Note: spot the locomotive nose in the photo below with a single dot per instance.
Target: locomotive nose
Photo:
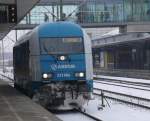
(63, 67)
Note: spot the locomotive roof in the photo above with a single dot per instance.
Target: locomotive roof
(54, 29)
(60, 29)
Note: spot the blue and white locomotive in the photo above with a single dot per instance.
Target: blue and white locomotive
(53, 64)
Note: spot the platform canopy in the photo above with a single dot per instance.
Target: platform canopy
(129, 15)
(13, 11)
(50, 2)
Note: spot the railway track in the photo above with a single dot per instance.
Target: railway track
(133, 99)
(90, 116)
(125, 98)
(7, 77)
(82, 116)
(81, 112)
(140, 84)
(132, 86)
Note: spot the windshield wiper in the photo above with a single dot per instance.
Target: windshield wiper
(45, 49)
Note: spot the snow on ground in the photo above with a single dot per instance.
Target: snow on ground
(124, 90)
(124, 79)
(117, 111)
(8, 71)
(123, 85)
(73, 116)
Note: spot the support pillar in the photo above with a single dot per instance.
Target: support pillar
(122, 29)
(3, 55)
(16, 33)
(53, 11)
(61, 10)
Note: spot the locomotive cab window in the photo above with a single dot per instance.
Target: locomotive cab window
(61, 45)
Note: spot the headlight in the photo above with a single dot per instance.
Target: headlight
(46, 76)
(80, 74)
(62, 58)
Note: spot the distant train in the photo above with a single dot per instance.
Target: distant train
(53, 64)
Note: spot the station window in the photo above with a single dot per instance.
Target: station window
(3, 14)
(8, 13)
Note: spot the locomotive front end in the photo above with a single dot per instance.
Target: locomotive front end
(63, 67)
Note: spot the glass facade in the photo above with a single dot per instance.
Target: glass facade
(104, 11)
(101, 11)
(41, 14)
(94, 11)
(137, 10)
(3, 14)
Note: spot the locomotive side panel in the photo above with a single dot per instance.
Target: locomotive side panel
(88, 60)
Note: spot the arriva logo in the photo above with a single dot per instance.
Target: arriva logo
(55, 67)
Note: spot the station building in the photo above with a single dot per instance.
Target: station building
(128, 52)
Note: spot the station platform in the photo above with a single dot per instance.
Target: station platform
(15, 106)
(128, 73)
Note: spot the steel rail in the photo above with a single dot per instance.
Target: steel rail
(130, 86)
(88, 115)
(82, 112)
(124, 95)
(123, 82)
(7, 77)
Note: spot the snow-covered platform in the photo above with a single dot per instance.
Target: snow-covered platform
(124, 79)
(14, 106)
